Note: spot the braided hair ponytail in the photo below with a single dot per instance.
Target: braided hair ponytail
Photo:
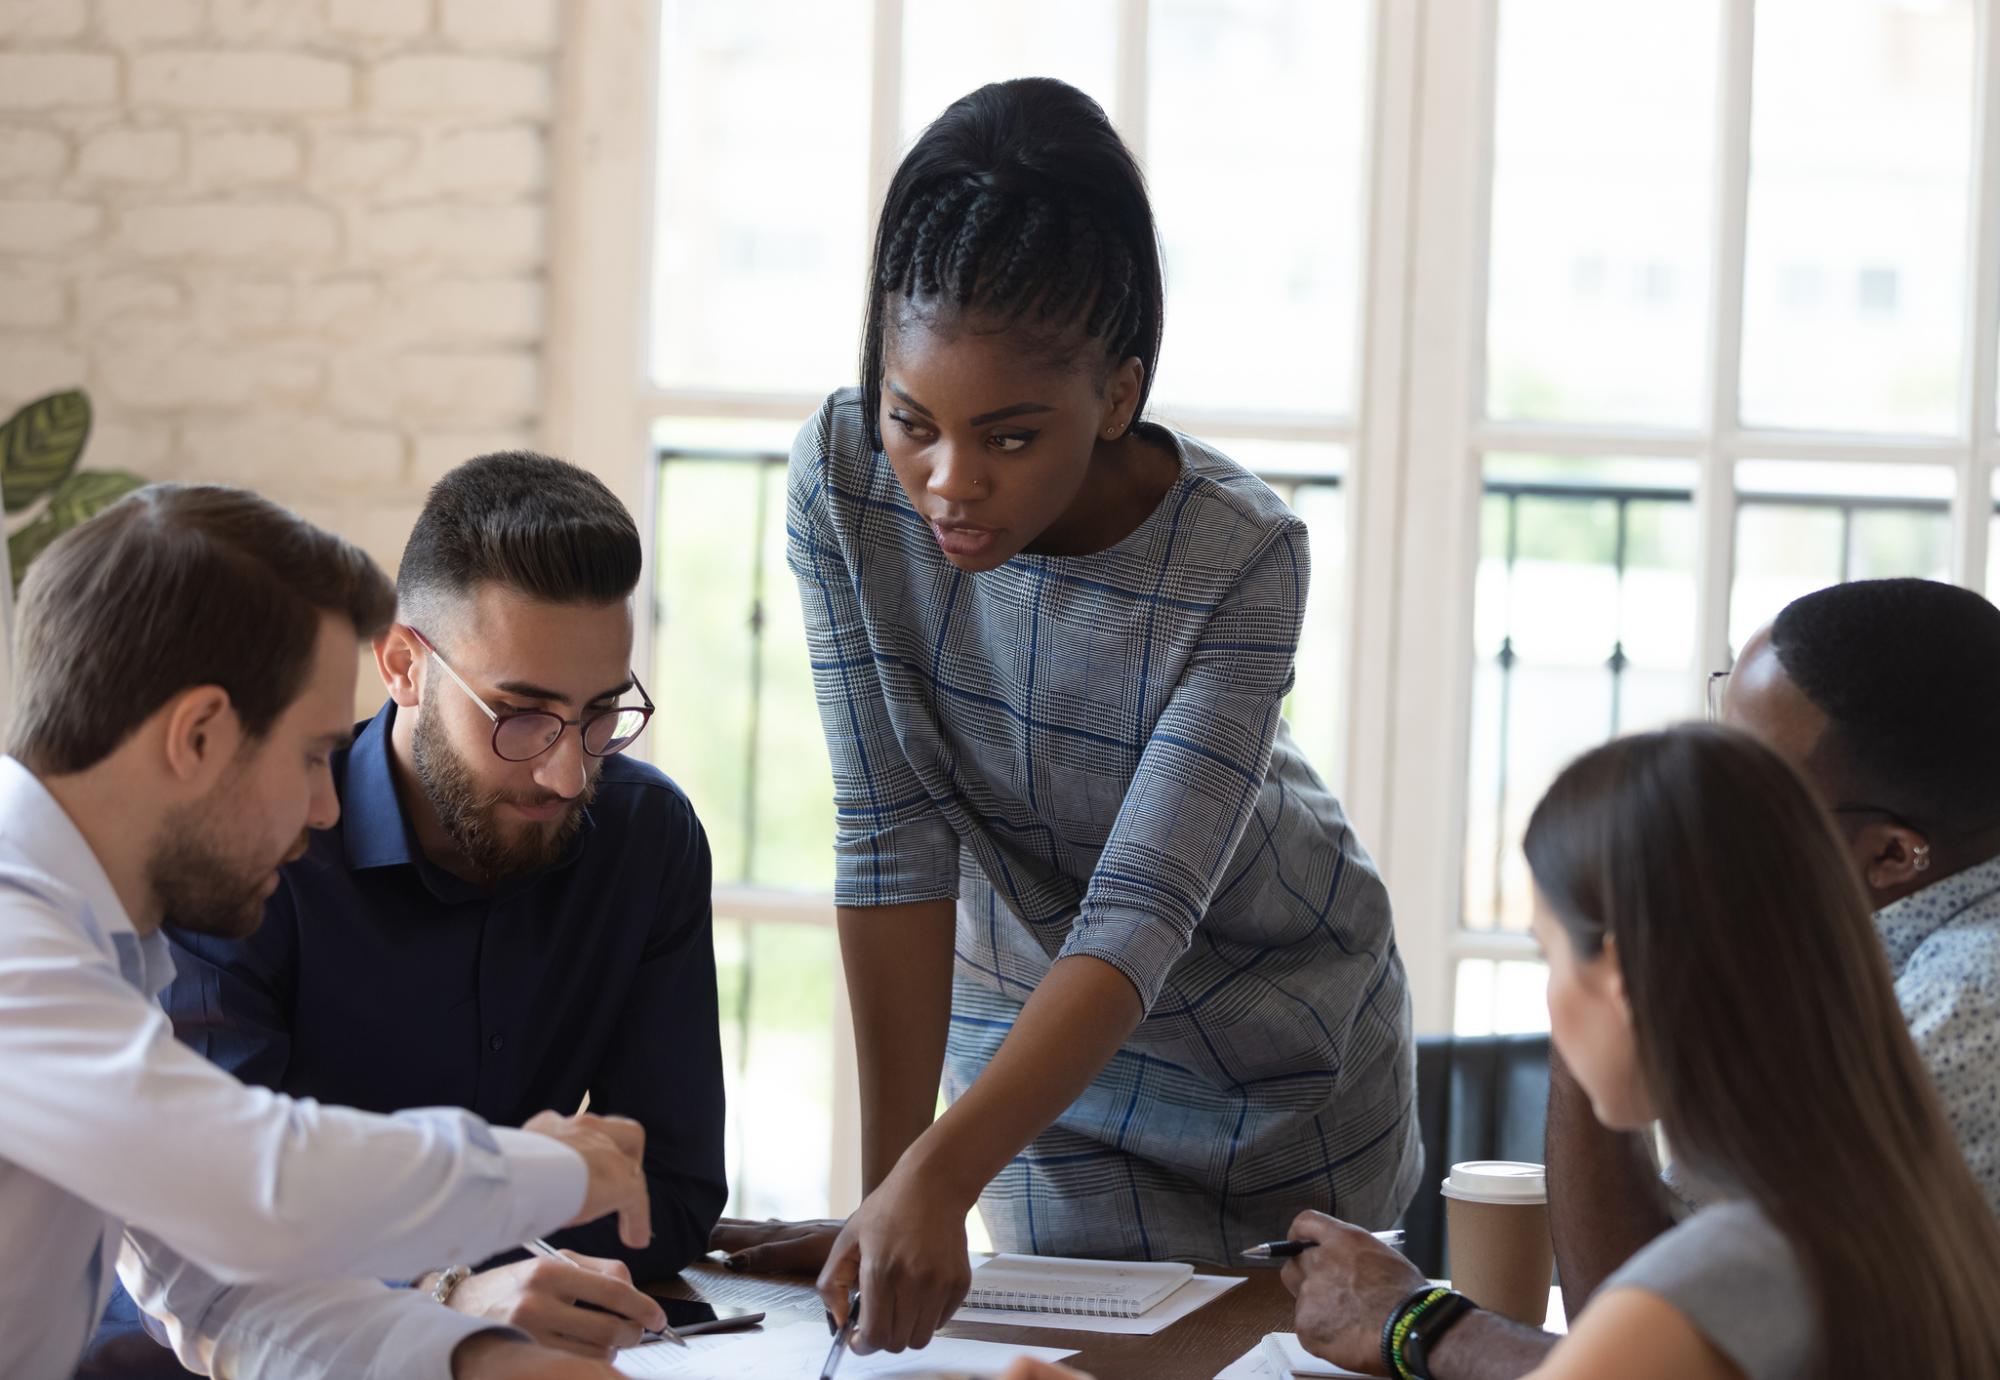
(1020, 204)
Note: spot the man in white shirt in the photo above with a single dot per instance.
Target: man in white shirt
(185, 665)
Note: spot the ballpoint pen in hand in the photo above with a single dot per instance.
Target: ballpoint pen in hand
(1285, 1250)
(547, 1252)
(843, 1334)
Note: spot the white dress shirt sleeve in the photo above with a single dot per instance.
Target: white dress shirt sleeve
(249, 1184)
(347, 1329)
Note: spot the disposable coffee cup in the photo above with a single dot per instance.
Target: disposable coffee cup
(1496, 1215)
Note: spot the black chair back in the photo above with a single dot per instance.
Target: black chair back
(1483, 1098)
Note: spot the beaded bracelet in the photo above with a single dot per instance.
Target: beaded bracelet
(1427, 1324)
(1398, 1327)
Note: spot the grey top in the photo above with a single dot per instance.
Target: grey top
(1738, 1282)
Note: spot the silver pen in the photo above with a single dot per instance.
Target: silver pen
(547, 1252)
(1285, 1250)
(843, 1334)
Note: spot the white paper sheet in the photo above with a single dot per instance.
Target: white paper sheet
(1285, 1357)
(1201, 1290)
(1260, 1362)
(782, 1353)
(1249, 1366)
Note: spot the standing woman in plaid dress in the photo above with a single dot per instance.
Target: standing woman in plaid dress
(1084, 873)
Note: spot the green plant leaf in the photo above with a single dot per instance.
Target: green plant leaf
(40, 445)
(80, 497)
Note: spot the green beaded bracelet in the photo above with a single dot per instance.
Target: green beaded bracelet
(1399, 1324)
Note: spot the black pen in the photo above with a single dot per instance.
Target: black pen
(1285, 1250)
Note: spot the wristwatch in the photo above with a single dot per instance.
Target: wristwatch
(1427, 1327)
(448, 1281)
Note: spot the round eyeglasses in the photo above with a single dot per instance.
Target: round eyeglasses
(527, 734)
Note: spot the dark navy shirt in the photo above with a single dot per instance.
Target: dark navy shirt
(378, 980)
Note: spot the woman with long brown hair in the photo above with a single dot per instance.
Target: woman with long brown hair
(1712, 967)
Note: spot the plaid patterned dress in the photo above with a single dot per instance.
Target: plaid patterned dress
(1087, 753)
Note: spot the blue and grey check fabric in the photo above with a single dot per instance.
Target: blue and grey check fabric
(1087, 753)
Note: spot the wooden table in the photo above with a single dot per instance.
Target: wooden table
(1194, 1348)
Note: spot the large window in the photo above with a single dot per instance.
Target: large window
(1743, 279)
(1582, 333)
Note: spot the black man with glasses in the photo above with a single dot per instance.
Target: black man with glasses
(513, 912)
(1885, 695)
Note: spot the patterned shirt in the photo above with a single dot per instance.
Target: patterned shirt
(1087, 754)
(1944, 948)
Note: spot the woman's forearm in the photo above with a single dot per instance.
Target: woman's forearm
(1078, 1017)
(898, 965)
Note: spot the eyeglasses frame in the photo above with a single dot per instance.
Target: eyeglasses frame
(581, 725)
(1718, 685)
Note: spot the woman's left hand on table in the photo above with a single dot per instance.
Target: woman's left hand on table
(774, 1247)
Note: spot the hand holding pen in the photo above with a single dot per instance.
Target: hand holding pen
(664, 1333)
(1285, 1250)
(1348, 1282)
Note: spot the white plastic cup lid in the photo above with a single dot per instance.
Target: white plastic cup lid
(1497, 1181)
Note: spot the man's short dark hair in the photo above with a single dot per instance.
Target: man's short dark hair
(175, 586)
(539, 526)
(1908, 672)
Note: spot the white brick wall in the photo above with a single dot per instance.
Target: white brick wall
(226, 158)
(131, 155)
(129, 22)
(279, 82)
(42, 18)
(464, 85)
(57, 81)
(29, 155)
(294, 244)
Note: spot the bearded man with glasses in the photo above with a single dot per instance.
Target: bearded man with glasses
(511, 913)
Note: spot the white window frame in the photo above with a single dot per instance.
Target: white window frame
(1449, 437)
(1416, 442)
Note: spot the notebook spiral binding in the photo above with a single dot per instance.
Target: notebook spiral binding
(1012, 1301)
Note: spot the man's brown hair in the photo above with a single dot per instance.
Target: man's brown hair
(175, 586)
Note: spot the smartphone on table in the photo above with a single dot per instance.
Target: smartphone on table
(692, 1317)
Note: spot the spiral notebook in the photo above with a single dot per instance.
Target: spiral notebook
(1056, 1284)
